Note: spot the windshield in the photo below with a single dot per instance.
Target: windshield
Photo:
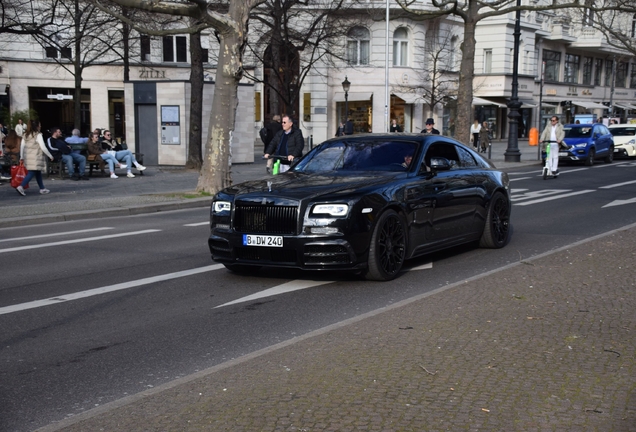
(623, 131)
(579, 132)
(372, 155)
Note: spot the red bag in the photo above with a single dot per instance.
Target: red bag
(18, 173)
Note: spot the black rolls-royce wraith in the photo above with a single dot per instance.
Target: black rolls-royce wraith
(365, 203)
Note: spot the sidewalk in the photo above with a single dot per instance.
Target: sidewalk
(104, 197)
(546, 344)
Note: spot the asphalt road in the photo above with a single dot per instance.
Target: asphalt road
(163, 310)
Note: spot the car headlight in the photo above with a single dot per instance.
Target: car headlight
(330, 209)
(632, 142)
(221, 206)
(580, 145)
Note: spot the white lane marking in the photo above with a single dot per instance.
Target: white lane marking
(77, 241)
(573, 170)
(620, 202)
(618, 185)
(290, 286)
(107, 289)
(56, 234)
(197, 224)
(520, 178)
(423, 267)
(537, 194)
(554, 197)
(295, 285)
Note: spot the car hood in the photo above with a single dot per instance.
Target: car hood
(621, 140)
(574, 141)
(299, 186)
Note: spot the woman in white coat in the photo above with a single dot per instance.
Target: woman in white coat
(32, 153)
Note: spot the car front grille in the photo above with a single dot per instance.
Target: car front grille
(326, 254)
(276, 255)
(266, 219)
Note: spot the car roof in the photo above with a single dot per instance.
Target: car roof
(624, 125)
(581, 125)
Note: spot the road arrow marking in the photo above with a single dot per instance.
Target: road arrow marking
(291, 286)
(620, 202)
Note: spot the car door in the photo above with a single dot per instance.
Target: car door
(449, 196)
(602, 140)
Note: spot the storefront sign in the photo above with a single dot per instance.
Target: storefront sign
(59, 96)
(152, 74)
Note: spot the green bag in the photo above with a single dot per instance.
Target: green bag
(276, 167)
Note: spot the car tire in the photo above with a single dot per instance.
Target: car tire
(387, 250)
(242, 268)
(610, 157)
(497, 228)
(590, 158)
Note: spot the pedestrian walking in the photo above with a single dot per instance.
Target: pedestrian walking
(32, 153)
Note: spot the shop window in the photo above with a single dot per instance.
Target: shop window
(307, 107)
(609, 72)
(588, 63)
(632, 81)
(572, 63)
(51, 52)
(144, 47)
(598, 71)
(175, 49)
(257, 106)
(621, 74)
(552, 60)
(400, 47)
(358, 43)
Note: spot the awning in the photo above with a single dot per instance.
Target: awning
(363, 96)
(528, 104)
(625, 106)
(410, 98)
(481, 101)
(551, 105)
(589, 105)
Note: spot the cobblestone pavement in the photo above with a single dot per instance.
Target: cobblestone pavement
(546, 344)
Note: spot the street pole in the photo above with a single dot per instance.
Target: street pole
(512, 153)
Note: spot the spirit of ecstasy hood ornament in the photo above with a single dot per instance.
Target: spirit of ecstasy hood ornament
(269, 186)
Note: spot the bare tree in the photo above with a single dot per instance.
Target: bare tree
(471, 12)
(26, 17)
(438, 78)
(289, 37)
(82, 37)
(617, 23)
(231, 28)
(195, 155)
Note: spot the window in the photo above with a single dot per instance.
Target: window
(400, 47)
(632, 81)
(598, 70)
(588, 17)
(487, 61)
(66, 53)
(634, 26)
(205, 55)
(621, 74)
(172, 45)
(552, 61)
(588, 64)
(51, 52)
(609, 74)
(144, 47)
(452, 55)
(257, 106)
(358, 42)
(572, 63)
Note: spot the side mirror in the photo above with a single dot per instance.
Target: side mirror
(440, 164)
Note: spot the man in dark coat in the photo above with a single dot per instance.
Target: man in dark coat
(288, 142)
(429, 127)
(61, 150)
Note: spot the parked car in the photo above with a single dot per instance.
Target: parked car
(364, 203)
(624, 139)
(587, 142)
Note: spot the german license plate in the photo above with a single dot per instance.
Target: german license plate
(616, 150)
(564, 154)
(262, 240)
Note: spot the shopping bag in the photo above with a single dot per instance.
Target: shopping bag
(18, 173)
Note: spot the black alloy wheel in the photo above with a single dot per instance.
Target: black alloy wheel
(610, 157)
(590, 158)
(497, 228)
(388, 247)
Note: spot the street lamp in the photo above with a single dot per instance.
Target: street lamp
(346, 85)
(512, 153)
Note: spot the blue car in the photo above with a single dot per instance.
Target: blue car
(586, 143)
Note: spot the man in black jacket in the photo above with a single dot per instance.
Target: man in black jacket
(288, 142)
(60, 150)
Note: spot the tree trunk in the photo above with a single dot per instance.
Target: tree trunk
(215, 172)
(77, 71)
(196, 103)
(465, 89)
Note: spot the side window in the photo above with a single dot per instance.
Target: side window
(466, 160)
(442, 149)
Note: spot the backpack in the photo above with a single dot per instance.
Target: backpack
(263, 134)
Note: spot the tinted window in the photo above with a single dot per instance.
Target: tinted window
(579, 132)
(444, 150)
(466, 159)
(631, 131)
(360, 156)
